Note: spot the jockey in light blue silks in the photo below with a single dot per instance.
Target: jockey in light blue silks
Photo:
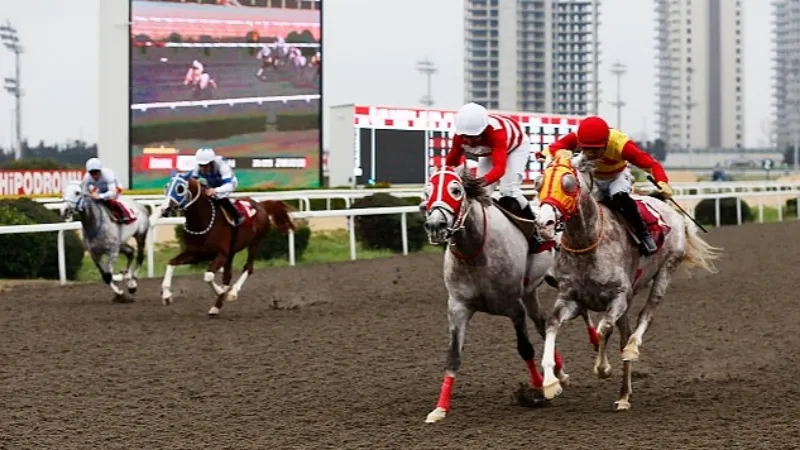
(220, 180)
(101, 183)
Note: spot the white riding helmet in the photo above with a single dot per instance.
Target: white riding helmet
(471, 119)
(196, 64)
(93, 164)
(204, 155)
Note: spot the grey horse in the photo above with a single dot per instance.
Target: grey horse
(487, 268)
(103, 236)
(600, 267)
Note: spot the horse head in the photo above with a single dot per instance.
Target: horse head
(181, 192)
(448, 195)
(74, 199)
(564, 182)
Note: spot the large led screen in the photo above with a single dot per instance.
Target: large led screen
(239, 76)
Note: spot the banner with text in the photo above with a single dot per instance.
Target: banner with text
(36, 182)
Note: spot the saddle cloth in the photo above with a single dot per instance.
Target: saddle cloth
(244, 207)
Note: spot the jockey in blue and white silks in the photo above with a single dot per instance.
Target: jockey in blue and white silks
(220, 180)
(101, 183)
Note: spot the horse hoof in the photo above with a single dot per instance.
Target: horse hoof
(552, 390)
(563, 378)
(602, 372)
(121, 298)
(132, 290)
(436, 415)
(622, 405)
(631, 350)
(630, 354)
(214, 311)
(166, 297)
(231, 296)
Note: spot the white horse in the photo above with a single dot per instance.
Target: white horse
(104, 235)
(492, 265)
(601, 269)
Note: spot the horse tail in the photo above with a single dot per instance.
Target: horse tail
(699, 253)
(279, 213)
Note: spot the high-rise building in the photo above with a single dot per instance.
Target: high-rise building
(700, 81)
(786, 35)
(532, 55)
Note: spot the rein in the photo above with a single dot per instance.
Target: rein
(600, 235)
(477, 252)
(193, 199)
(593, 245)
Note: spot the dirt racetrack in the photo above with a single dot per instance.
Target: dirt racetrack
(350, 356)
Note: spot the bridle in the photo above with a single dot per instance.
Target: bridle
(560, 219)
(192, 199)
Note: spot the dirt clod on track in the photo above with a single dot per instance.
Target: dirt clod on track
(350, 356)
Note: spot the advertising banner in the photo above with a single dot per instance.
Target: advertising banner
(36, 182)
(242, 80)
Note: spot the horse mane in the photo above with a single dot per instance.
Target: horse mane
(474, 189)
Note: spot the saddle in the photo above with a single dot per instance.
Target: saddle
(652, 220)
(119, 214)
(244, 208)
(528, 228)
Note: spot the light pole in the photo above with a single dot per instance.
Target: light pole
(8, 34)
(619, 69)
(427, 68)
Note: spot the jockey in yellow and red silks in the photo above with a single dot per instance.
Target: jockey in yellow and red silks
(612, 150)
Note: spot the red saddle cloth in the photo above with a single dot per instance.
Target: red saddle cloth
(655, 223)
(247, 210)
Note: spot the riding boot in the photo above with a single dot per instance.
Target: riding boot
(627, 206)
(527, 212)
(232, 211)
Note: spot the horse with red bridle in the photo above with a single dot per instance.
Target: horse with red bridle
(210, 234)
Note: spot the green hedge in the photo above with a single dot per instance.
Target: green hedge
(383, 231)
(219, 127)
(791, 208)
(705, 212)
(73, 245)
(22, 256)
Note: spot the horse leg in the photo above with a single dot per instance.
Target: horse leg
(247, 270)
(458, 316)
(129, 253)
(219, 261)
(112, 262)
(133, 275)
(624, 402)
(108, 277)
(602, 368)
(594, 338)
(525, 349)
(563, 310)
(657, 291)
(182, 258)
(531, 302)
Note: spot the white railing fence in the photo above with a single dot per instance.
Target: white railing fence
(304, 197)
(688, 201)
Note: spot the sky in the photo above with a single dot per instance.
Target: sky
(370, 51)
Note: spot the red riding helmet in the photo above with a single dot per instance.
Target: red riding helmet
(593, 133)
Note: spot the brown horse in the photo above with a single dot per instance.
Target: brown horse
(209, 234)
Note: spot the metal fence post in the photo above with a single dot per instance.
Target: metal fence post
(62, 259)
(404, 231)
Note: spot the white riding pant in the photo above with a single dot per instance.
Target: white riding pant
(516, 166)
(621, 182)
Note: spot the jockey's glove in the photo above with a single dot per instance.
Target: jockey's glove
(664, 189)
